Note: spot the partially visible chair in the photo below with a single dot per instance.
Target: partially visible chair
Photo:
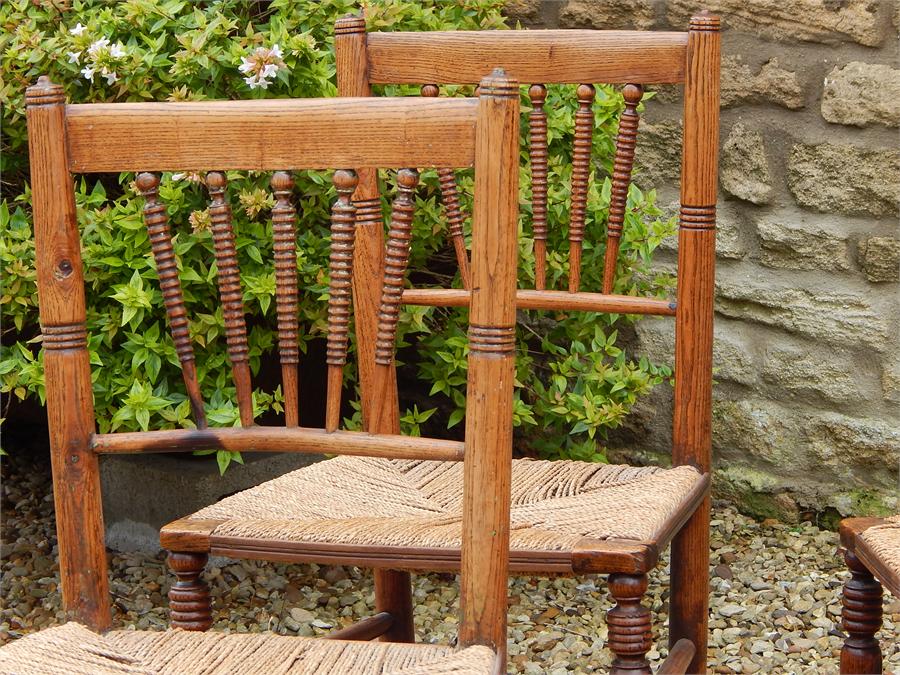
(872, 551)
(269, 135)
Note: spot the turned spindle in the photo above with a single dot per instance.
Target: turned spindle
(284, 243)
(340, 267)
(629, 624)
(537, 151)
(861, 616)
(581, 169)
(621, 179)
(230, 293)
(452, 209)
(396, 261)
(190, 606)
(157, 223)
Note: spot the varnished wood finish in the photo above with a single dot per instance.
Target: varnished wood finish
(278, 439)
(850, 530)
(491, 368)
(679, 659)
(861, 615)
(258, 135)
(228, 275)
(67, 370)
(340, 269)
(190, 607)
(367, 629)
(623, 163)
(284, 243)
(393, 589)
(581, 170)
(396, 260)
(188, 535)
(537, 152)
(452, 210)
(691, 432)
(157, 223)
(460, 57)
(526, 299)
(629, 624)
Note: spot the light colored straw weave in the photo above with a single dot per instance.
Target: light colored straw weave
(381, 502)
(884, 541)
(72, 649)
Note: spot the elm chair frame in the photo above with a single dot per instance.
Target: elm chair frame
(861, 599)
(567, 57)
(273, 135)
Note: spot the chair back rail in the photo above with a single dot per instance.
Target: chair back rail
(275, 136)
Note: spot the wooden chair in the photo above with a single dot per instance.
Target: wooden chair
(600, 543)
(569, 517)
(269, 135)
(872, 551)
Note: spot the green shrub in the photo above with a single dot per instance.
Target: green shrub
(574, 382)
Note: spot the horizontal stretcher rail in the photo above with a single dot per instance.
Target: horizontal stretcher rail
(280, 439)
(530, 56)
(272, 134)
(551, 300)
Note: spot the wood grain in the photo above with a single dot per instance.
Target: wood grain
(550, 56)
(67, 370)
(861, 616)
(265, 134)
(691, 430)
(679, 659)
(537, 153)
(629, 625)
(366, 629)
(581, 170)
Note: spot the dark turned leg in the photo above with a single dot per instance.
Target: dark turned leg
(393, 594)
(190, 607)
(861, 618)
(629, 624)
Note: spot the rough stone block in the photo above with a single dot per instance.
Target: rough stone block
(808, 374)
(862, 21)
(880, 258)
(845, 178)
(836, 317)
(657, 157)
(890, 381)
(772, 84)
(744, 167)
(873, 445)
(862, 93)
(526, 11)
(799, 246)
(730, 240)
(628, 14)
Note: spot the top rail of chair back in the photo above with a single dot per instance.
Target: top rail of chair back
(547, 56)
(271, 134)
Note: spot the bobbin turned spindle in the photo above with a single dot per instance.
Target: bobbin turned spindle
(343, 217)
(581, 169)
(537, 151)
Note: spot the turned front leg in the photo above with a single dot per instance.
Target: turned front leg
(861, 618)
(629, 624)
(190, 607)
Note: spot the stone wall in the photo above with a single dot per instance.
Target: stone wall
(807, 352)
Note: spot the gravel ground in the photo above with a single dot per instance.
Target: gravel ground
(775, 601)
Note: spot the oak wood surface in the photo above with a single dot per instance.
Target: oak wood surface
(850, 530)
(366, 629)
(861, 617)
(538, 153)
(67, 370)
(265, 134)
(581, 171)
(548, 56)
(679, 659)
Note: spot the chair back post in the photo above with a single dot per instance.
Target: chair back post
(491, 369)
(692, 424)
(70, 407)
(378, 386)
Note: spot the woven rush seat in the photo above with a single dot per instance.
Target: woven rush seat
(883, 544)
(73, 649)
(557, 507)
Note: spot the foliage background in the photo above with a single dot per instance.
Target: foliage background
(574, 380)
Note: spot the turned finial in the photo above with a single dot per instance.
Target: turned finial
(585, 93)
(632, 94)
(281, 181)
(704, 21)
(430, 90)
(44, 92)
(537, 93)
(216, 181)
(345, 181)
(350, 23)
(497, 84)
(147, 183)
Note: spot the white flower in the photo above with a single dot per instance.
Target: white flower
(97, 46)
(116, 51)
(276, 51)
(74, 57)
(261, 66)
(246, 65)
(78, 30)
(269, 70)
(111, 77)
(88, 73)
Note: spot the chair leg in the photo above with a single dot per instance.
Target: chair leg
(190, 607)
(629, 624)
(689, 598)
(861, 618)
(393, 594)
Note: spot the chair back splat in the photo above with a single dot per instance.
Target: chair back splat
(280, 136)
(582, 58)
